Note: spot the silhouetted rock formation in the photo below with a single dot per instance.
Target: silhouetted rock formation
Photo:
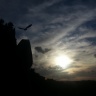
(25, 54)
(24, 62)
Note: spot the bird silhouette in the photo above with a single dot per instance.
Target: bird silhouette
(25, 27)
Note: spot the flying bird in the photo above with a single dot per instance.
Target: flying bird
(25, 27)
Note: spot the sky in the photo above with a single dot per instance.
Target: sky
(60, 29)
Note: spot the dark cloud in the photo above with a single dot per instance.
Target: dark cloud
(14, 10)
(89, 72)
(95, 55)
(46, 50)
(39, 49)
(91, 24)
(92, 40)
(90, 3)
(52, 72)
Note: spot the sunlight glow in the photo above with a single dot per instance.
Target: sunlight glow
(63, 61)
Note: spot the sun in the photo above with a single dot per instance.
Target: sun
(63, 61)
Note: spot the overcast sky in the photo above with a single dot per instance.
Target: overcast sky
(60, 27)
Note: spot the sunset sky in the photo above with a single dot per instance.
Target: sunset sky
(62, 36)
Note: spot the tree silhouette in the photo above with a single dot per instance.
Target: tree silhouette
(16, 60)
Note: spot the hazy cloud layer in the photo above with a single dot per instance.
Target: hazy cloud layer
(64, 26)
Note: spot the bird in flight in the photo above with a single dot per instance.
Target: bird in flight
(25, 27)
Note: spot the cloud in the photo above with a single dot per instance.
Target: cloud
(39, 49)
(42, 6)
(60, 27)
(95, 55)
(62, 37)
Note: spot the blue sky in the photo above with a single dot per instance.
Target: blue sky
(60, 27)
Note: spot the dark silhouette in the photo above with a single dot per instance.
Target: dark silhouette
(18, 78)
(7, 56)
(25, 27)
(25, 54)
(16, 61)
